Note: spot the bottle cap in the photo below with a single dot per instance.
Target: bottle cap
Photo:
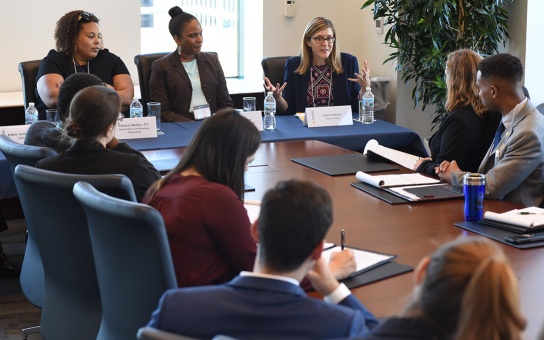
(269, 92)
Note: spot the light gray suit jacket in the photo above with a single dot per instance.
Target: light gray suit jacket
(514, 170)
(170, 85)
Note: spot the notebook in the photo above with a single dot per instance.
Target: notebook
(365, 259)
(346, 164)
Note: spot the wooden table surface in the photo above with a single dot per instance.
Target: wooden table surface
(409, 231)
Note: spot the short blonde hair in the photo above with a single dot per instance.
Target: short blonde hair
(314, 26)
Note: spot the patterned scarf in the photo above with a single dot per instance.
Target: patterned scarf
(320, 88)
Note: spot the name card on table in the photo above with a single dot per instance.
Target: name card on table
(132, 128)
(16, 132)
(255, 117)
(328, 116)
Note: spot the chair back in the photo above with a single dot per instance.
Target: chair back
(131, 236)
(143, 65)
(71, 305)
(540, 108)
(150, 333)
(274, 69)
(31, 278)
(29, 72)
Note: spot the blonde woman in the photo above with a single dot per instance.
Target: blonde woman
(465, 290)
(320, 75)
(468, 130)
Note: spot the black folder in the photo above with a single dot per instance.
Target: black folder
(381, 272)
(431, 192)
(346, 164)
(497, 234)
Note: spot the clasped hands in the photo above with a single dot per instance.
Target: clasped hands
(445, 169)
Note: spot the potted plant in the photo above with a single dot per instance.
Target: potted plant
(424, 32)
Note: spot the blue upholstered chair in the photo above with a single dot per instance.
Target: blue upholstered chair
(71, 306)
(132, 258)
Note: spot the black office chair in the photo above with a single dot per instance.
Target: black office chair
(29, 72)
(131, 236)
(143, 65)
(274, 68)
(71, 304)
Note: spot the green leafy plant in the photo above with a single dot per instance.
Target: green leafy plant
(424, 32)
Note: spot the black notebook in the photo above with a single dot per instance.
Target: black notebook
(345, 164)
(497, 234)
(424, 193)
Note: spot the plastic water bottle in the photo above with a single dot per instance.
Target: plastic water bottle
(136, 109)
(269, 112)
(31, 114)
(368, 107)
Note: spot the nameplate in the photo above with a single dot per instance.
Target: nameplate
(328, 116)
(132, 128)
(16, 132)
(255, 117)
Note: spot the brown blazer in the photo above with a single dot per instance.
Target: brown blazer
(170, 85)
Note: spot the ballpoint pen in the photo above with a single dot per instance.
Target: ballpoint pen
(529, 213)
(342, 239)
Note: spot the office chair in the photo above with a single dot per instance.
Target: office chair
(150, 333)
(274, 69)
(31, 278)
(71, 304)
(131, 236)
(540, 108)
(143, 64)
(29, 72)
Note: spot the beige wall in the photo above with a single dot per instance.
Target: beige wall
(534, 69)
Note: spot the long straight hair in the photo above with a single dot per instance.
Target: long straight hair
(470, 292)
(314, 26)
(218, 151)
(462, 66)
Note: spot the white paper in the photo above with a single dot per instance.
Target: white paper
(402, 158)
(255, 117)
(132, 128)
(16, 132)
(515, 217)
(328, 116)
(386, 181)
(253, 209)
(365, 259)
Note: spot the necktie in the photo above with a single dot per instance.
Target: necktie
(498, 135)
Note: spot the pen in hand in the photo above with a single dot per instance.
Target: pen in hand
(342, 239)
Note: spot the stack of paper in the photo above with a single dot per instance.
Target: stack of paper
(531, 218)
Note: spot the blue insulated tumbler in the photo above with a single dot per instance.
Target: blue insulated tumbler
(474, 190)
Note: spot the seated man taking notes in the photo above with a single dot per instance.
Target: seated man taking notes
(514, 163)
(294, 219)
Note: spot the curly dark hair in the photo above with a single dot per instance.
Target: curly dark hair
(70, 87)
(68, 28)
(503, 66)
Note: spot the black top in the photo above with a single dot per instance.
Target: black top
(105, 66)
(405, 329)
(463, 137)
(91, 158)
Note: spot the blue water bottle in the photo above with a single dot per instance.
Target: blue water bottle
(474, 191)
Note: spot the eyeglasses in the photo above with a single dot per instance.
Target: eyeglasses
(320, 40)
(85, 17)
(121, 116)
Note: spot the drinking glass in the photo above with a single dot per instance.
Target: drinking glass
(51, 115)
(154, 110)
(249, 104)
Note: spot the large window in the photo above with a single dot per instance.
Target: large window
(219, 20)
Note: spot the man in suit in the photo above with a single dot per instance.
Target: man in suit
(514, 163)
(268, 302)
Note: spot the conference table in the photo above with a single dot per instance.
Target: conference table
(409, 231)
(353, 137)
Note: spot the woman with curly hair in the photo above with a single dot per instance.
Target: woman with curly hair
(468, 130)
(79, 50)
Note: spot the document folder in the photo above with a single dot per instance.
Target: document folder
(496, 234)
(346, 164)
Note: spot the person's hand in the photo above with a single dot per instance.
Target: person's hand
(364, 78)
(445, 169)
(276, 90)
(342, 264)
(322, 278)
(419, 161)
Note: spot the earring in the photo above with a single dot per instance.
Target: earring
(75, 48)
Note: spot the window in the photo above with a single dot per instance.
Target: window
(219, 20)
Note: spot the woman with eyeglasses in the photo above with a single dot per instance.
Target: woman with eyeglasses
(94, 113)
(189, 84)
(320, 75)
(79, 49)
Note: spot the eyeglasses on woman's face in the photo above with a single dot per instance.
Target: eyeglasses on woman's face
(320, 40)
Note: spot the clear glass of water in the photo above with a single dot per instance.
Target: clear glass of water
(249, 104)
(154, 110)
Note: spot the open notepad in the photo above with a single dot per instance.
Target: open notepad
(366, 260)
(402, 158)
(388, 181)
(518, 220)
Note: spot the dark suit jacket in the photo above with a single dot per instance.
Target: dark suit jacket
(258, 308)
(344, 92)
(464, 137)
(91, 158)
(170, 85)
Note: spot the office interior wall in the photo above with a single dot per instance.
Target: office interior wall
(28, 27)
(534, 52)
